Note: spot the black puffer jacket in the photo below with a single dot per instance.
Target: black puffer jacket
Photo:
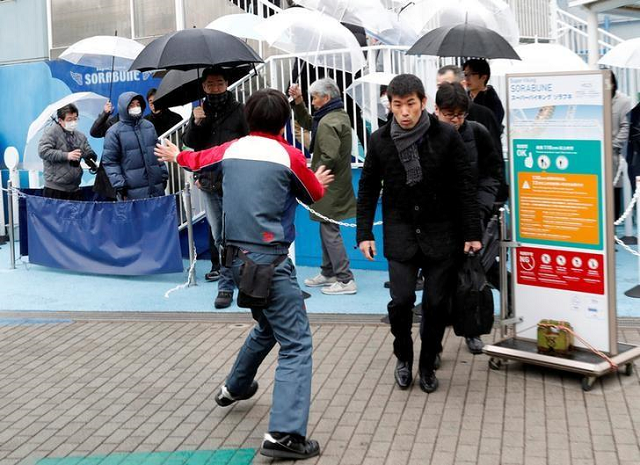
(437, 214)
(216, 129)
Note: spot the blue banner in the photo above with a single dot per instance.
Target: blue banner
(120, 238)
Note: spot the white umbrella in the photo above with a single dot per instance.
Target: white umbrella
(624, 55)
(103, 52)
(243, 25)
(425, 15)
(89, 106)
(370, 14)
(540, 58)
(308, 33)
(365, 91)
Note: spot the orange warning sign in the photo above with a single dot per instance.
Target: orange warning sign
(559, 207)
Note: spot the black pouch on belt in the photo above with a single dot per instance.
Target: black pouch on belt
(255, 281)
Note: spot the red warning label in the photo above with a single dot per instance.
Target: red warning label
(560, 269)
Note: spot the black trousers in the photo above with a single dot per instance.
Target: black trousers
(62, 195)
(439, 285)
(213, 250)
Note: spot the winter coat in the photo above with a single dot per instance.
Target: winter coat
(489, 98)
(434, 216)
(633, 149)
(332, 148)
(486, 164)
(53, 149)
(216, 129)
(164, 120)
(620, 108)
(128, 155)
(102, 124)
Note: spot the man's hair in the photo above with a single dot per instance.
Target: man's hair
(267, 110)
(614, 84)
(66, 110)
(404, 85)
(214, 71)
(456, 70)
(325, 86)
(480, 66)
(151, 92)
(452, 96)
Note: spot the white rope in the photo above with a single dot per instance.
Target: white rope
(190, 275)
(623, 218)
(324, 218)
(619, 173)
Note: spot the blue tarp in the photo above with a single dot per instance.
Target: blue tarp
(123, 238)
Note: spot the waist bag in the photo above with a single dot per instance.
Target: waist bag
(255, 281)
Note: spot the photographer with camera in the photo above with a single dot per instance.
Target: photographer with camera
(61, 148)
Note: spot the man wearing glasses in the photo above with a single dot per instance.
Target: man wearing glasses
(476, 76)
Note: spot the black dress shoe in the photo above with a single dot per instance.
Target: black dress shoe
(289, 446)
(474, 344)
(403, 374)
(224, 398)
(224, 299)
(212, 276)
(428, 382)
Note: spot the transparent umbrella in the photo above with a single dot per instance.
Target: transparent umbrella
(242, 25)
(624, 55)
(365, 91)
(425, 15)
(539, 58)
(370, 14)
(308, 33)
(89, 106)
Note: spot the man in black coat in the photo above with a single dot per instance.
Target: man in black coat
(430, 216)
(162, 119)
(104, 121)
(452, 104)
(218, 120)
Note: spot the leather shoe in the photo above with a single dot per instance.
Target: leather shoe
(403, 374)
(428, 382)
(474, 344)
(224, 299)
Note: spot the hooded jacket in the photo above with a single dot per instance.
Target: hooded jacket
(128, 155)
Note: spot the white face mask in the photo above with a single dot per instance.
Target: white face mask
(135, 111)
(71, 125)
(384, 101)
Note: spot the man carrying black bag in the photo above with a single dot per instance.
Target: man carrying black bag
(258, 230)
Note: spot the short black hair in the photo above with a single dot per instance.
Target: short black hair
(405, 84)
(214, 71)
(452, 96)
(614, 84)
(456, 70)
(151, 92)
(267, 110)
(66, 110)
(480, 66)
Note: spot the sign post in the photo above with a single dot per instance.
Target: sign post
(563, 267)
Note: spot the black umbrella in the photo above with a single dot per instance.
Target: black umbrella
(195, 48)
(463, 40)
(182, 87)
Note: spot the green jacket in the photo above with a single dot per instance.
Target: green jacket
(332, 148)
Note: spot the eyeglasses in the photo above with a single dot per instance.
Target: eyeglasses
(471, 74)
(454, 115)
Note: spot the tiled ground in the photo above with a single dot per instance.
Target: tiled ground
(139, 384)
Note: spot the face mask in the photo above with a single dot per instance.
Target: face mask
(384, 101)
(216, 100)
(135, 112)
(71, 125)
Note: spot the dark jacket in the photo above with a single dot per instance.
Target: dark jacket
(102, 124)
(53, 148)
(164, 120)
(216, 129)
(486, 164)
(489, 98)
(128, 155)
(633, 147)
(332, 148)
(434, 216)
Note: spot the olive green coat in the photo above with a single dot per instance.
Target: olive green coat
(332, 148)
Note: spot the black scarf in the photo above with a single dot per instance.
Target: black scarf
(331, 105)
(218, 102)
(406, 142)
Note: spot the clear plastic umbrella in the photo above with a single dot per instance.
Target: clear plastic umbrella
(624, 55)
(103, 52)
(425, 15)
(308, 33)
(242, 25)
(365, 91)
(370, 14)
(539, 58)
(89, 106)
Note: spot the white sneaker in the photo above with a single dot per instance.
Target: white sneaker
(320, 281)
(339, 288)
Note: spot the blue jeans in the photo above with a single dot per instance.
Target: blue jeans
(213, 210)
(284, 321)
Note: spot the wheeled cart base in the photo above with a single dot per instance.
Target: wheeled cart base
(581, 361)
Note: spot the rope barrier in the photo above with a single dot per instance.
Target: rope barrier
(329, 220)
(623, 218)
(190, 275)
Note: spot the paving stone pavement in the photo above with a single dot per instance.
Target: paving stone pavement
(84, 387)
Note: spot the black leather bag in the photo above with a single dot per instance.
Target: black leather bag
(102, 186)
(473, 301)
(255, 282)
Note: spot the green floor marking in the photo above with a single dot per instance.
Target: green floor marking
(197, 457)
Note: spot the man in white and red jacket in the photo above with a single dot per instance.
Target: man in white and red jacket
(262, 175)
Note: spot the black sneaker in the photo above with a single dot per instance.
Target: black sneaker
(224, 398)
(428, 382)
(289, 446)
(212, 276)
(224, 299)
